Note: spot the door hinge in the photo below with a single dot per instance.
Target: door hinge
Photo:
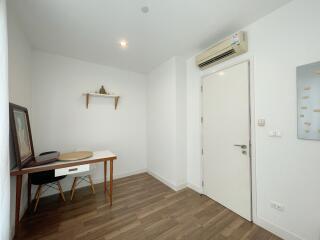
(202, 151)
(201, 120)
(201, 88)
(202, 183)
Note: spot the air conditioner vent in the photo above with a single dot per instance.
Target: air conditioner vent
(226, 49)
(217, 58)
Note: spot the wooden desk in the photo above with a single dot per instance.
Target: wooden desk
(99, 156)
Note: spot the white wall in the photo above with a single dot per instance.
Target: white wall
(19, 91)
(161, 121)
(181, 121)
(4, 126)
(194, 168)
(60, 120)
(166, 124)
(287, 169)
(19, 63)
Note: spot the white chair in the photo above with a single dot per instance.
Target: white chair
(82, 177)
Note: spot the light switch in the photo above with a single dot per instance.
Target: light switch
(261, 122)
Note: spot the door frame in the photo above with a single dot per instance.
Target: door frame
(252, 153)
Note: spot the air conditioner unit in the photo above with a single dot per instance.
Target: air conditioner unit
(228, 48)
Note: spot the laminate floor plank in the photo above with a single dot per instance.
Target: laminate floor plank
(143, 209)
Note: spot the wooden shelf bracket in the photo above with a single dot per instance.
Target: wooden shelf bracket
(115, 97)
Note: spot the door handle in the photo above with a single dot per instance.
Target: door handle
(242, 146)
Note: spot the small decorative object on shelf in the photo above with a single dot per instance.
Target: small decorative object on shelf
(102, 90)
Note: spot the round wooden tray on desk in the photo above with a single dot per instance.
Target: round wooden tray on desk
(75, 156)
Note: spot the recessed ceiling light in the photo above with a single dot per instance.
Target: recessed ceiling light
(124, 43)
(221, 73)
(145, 9)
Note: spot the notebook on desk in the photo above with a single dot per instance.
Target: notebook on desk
(44, 159)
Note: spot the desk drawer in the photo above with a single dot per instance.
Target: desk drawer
(71, 170)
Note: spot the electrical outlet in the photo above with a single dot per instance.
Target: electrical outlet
(274, 133)
(277, 206)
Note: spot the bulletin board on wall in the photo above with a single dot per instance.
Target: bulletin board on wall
(308, 101)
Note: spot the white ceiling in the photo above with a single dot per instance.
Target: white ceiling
(91, 29)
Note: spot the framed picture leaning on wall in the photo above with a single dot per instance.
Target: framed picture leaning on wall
(21, 135)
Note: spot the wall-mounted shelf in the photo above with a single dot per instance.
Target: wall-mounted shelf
(88, 95)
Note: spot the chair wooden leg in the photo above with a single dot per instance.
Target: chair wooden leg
(73, 187)
(37, 197)
(61, 192)
(91, 184)
(36, 194)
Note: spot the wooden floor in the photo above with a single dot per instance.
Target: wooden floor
(143, 208)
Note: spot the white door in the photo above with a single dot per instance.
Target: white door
(226, 138)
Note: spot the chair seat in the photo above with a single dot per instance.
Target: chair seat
(46, 177)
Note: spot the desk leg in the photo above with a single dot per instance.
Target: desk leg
(111, 181)
(29, 191)
(18, 199)
(105, 176)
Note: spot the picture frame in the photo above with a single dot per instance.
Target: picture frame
(21, 135)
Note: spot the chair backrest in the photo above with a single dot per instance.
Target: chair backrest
(45, 153)
(40, 178)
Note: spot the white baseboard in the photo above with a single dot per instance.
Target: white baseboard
(195, 188)
(121, 175)
(167, 182)
(180, 187)
(280, 232)
(66, 185)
